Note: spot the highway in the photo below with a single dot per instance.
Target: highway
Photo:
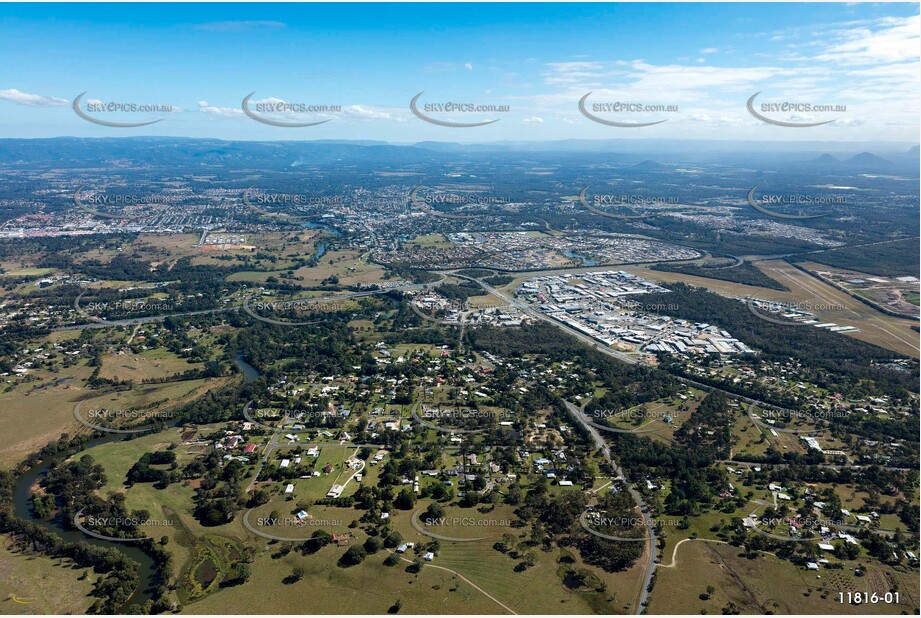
(101, 323)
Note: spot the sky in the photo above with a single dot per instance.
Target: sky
(701, 63)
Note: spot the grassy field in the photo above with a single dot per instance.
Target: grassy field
(35, 584)
(150, 364)
(768, 585)
(170, 508)
(168, 248)
(12, 271)
(748, 438)
(33, 418)
(369, 588)
(431, 240)
(351, 267)
(147, 398)
(540, 589)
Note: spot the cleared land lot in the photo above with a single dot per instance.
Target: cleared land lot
(369, 588)
(875, 327)
(34, 417)
(150, 364)
(769, 584)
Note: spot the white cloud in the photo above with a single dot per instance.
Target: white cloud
(888, 40)
(533, 120)
(468, 66)
(709, 50)
(34, 100)
(222, 112)
(365, 112)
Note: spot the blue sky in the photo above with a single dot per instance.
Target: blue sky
(538, 59)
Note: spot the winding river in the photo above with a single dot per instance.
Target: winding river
(148, 573)
(22, 505)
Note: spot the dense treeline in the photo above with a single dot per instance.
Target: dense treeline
(745, 273)
(144, 472)
(890, 259)
(461, 291)
(18, 247)
(627, 385)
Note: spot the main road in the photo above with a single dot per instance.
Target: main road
(102, 323)
(602, 444)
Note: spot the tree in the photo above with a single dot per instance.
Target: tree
(393, 539)
(352, 556)
(434, 512)
(405, 500)
(373, 544)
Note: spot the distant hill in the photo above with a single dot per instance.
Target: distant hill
(650, 166)
(153, 151)
(867, 159)
(825, 159)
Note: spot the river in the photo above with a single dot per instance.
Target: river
(250, 373)
(22, 505)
